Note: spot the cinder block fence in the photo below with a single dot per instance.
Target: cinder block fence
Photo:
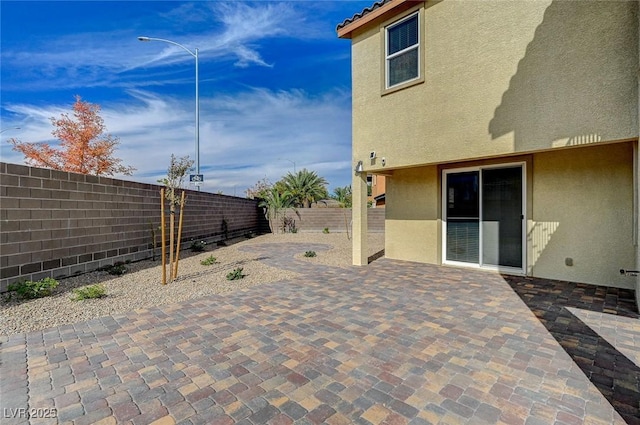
(57, 224)
(334, 219)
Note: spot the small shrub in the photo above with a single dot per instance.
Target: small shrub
(310, 254)
(225, 228)
(89, 292)
(235, 274)
(325, 230)
(208, 261)
(117, 269)
(29, 289)
(198, 246)
(289, 225)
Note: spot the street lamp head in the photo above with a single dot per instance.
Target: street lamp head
(144, 39)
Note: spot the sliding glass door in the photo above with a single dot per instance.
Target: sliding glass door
(502, 217)
(463, 217)
(484, 218)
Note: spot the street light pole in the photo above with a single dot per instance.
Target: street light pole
(195, 55)
(293, 162)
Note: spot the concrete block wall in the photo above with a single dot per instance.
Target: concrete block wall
(57, 224)
(316, 219)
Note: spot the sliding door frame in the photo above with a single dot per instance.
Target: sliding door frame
(480, 265)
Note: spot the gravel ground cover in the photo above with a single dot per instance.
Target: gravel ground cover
(140, 286)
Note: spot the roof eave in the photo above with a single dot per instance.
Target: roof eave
(388, 9)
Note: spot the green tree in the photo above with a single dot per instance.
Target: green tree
(343, 196)
(305, 187)
(275, 201)
(259, 190)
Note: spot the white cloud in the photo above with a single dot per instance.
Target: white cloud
(229, 30)
(238, 30)
(243, 138)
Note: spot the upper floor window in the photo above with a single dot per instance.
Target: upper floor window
(402, 51)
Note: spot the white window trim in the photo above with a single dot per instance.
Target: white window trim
(415, 46)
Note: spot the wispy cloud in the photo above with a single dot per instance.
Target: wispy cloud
(229, 30)
(243, 138)
(146, 90)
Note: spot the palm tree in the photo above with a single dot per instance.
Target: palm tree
(275, 201)
(305, 187)
(343, 196)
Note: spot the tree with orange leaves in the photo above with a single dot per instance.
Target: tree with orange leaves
(84, 148)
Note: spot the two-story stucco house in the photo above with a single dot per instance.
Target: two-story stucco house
(507, 132)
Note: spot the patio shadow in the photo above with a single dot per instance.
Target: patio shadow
(610, 371)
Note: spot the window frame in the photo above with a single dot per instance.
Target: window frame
(386, 57)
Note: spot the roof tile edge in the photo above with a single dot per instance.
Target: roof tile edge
(364, 12)
(379, 9)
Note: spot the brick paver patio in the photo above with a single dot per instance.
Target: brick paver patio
(391, 343)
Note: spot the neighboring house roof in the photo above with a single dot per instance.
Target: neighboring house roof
(381, 9)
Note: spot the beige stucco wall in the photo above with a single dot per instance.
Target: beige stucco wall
(579, 206)
(501, 77)
(412, 224)
(583, 209)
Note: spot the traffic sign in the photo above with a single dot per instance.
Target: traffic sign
(196, 178)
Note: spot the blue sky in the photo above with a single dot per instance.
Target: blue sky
(275, 83)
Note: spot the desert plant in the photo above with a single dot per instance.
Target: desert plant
(198, 246)
(225, 228)
(289, 225)
(209, 261)
(29, 289)
(89, 292)
(325, 230)
(116, 269)
(310, 254)
(275, 201)
(235, 274)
